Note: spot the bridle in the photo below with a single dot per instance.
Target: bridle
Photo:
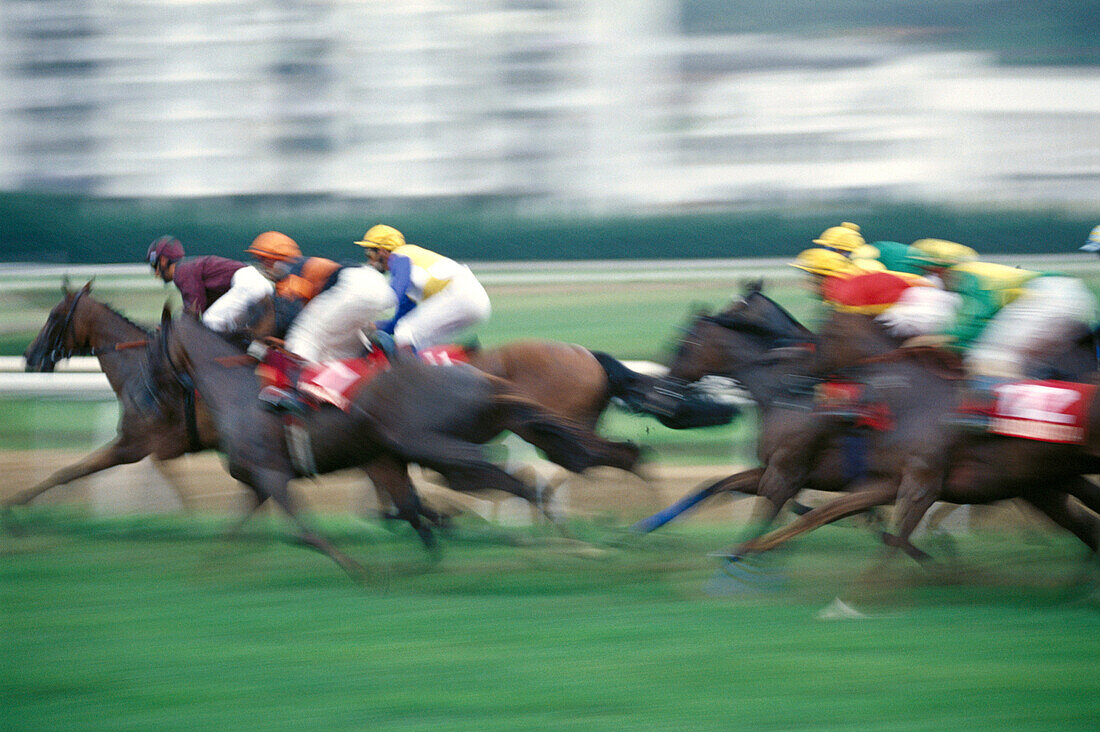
(57, 350)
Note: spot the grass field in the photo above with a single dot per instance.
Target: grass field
(124, 624)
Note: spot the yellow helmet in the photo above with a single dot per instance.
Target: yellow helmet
(824, 262)
(844, 238)
(942, 253)
(381, 236)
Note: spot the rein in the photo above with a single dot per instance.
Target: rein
(58, 351)
(942, 368)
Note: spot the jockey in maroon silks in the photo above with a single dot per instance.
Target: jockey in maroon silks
(202, 281)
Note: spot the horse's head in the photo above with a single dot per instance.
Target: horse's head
(742, 333)
(65, 333)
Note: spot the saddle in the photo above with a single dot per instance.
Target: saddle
(285, 376)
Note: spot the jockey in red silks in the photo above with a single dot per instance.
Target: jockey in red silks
(210, 286)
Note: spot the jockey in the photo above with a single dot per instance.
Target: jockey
(335, 302)
(845, 239)
(1008, 312)
(204, 282)
(893, 255)
(436, 296)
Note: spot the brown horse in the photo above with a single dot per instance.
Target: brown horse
(412, 413)
(80, 325)
(933, 461)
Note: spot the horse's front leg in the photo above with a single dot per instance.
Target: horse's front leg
(120, 452)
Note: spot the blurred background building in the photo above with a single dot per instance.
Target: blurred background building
(586, 105)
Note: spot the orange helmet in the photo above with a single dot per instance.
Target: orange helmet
(274, 245)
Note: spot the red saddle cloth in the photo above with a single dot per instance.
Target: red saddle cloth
(846, 399)
(1048, 411)
(337, 382)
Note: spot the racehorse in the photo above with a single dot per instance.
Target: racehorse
(412, 413)
(81, 325)
(756, 342)
(568, 380)
(933, 461)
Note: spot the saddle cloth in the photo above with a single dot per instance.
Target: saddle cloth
(1048, 411)
(337, 382)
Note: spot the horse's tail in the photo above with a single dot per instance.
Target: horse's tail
(565, 442)
(623, 382)
(662, 397)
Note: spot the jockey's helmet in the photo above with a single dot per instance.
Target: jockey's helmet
(843, 238)
(166, 247)
(1093, 243)
(941, 253)
(824, 262)
(381, 236)
(274, 245)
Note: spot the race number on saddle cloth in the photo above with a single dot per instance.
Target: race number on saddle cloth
(1048, 411)
(436, 296)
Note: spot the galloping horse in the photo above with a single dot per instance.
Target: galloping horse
(412, 412)
(80, 325)
(933, 461)
(758, 343)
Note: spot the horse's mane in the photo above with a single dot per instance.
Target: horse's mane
(148, 331)
(771, 320)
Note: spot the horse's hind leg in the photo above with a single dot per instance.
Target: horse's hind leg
(876, 494)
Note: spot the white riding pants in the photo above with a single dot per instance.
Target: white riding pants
(247, 287)
(328, 327)
(1040, 317)
(461, 304)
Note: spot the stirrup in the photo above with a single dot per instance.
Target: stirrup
(282, 401)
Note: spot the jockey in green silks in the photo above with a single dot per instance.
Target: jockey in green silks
(1007, 312)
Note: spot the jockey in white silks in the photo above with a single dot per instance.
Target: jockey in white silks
(336, 303)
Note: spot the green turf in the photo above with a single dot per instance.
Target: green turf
(156, 624)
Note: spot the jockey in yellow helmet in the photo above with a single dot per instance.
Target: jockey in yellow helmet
(436, 296)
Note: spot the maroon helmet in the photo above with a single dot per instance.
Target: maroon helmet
(168, 247)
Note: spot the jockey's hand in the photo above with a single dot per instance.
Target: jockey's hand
(929, 341)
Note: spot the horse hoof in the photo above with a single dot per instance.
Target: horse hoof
(739, 576)
(840, 610)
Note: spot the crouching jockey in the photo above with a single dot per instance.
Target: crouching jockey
(1008, 313)
(337, 303)
(436, 296)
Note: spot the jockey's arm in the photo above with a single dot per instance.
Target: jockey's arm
(227, 312)
(979, 305)
(400, 282)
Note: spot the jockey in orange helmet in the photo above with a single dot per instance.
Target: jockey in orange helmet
(335, 302)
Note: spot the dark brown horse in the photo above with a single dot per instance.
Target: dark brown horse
(412, 413)
(760, 345)
(80, 325)
(934, 461)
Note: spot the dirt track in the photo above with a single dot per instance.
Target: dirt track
(205, 486)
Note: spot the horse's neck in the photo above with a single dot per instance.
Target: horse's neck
(764, 381)
(107, 329)
(222, 382)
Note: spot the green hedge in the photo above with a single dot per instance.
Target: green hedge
(63, 229)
